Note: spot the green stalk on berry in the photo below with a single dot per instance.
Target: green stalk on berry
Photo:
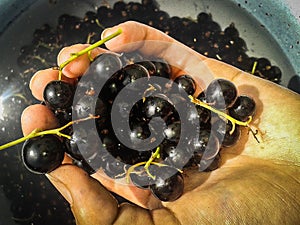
(37, 133)
(88, 50)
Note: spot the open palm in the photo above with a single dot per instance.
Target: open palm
(257, 182)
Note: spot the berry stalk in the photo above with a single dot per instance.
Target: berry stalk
(220, 113)
(36, 133)
(146, 164)
(87, 50)
(155, 155)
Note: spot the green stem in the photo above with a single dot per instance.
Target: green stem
(91, 47)
(131, 169)
(220, 113)
(154, 156)
(254, 67)
(18, 141)
(87, 50)
(36, 133)
(99, 24)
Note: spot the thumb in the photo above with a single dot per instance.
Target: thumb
(87, 197)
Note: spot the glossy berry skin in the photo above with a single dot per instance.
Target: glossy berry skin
(43, 154)
(156, 107)
(186, 83)
(274, 74)
(59, 94)
(104, 66)
(168, 184)
(174, 155)
(89, 105)
(64, 116)
(222, 130)
(221, 93)
(133, 72)
(83, 142)
(172, 131)
(210, 165)
(243, 107)
(149, 66)
(207, 144)
(162, 69)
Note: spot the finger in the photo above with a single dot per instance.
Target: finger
(152, 42)
(37, 117)
(90, 202)
(40, 80)
(77, 67)
(138, 196)
(73, 70)
(148, 40)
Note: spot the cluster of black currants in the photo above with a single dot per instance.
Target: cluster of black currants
(128, 117)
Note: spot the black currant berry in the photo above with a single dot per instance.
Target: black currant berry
(174, 155)
(263, 64)
(140, 178)
(186, 83)
(156, 107)
(133, 72)
(168, 184)
(223, 129)
(163, 69)
(172, 131)
(64, 116)
(104, 66)
(231, 31)
(201, 116)
(221, 93)
(59, 94)
(210, 165)
(206, 145)
(43, 154)
(83, 143)
(89, 105)
(243, 107)
(273, 74)
(204, 18)
(149, 66)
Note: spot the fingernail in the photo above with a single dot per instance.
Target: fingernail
(105, 32)
(61, 187)
(31, 80)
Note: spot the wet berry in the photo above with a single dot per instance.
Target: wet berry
(43, 154)
(59, 94)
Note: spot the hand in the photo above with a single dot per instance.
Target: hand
(256, 182)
